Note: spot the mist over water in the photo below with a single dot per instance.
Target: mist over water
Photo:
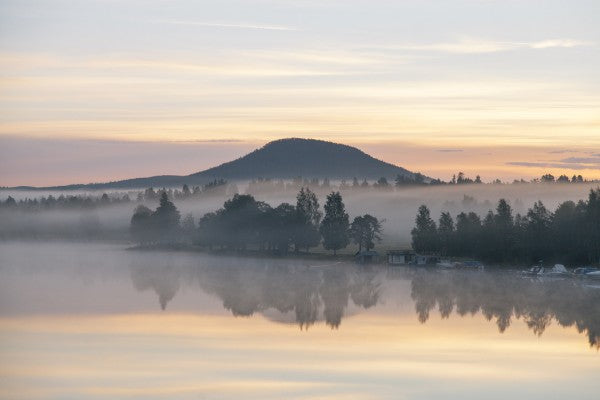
(85, 316)
(184, 325)
(396, 207)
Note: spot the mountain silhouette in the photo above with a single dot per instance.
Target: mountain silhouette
(309, 158)
(280, 159)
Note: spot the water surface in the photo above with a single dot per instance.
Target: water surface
(95, 321)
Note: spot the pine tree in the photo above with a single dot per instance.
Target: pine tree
(166, 217)
(424, 234)
(335, 225)
(592, 225)
(446, 233)
(537, 228)
(308, 219)
(141, 227)
(503, 229)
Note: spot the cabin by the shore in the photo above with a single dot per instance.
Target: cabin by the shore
(409, 257)
(401, 257)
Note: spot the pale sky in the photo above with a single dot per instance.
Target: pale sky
(107, 89)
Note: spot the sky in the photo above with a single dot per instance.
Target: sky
(101, 90)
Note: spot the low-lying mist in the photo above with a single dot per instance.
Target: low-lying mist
(397, 207)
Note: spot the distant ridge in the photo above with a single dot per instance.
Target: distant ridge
(280, 159)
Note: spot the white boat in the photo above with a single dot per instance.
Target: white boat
(558, 271)
(593, 275)
(584, 272)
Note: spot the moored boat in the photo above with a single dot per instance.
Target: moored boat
(582, 272)
(558, 271)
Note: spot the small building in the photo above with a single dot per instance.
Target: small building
(401, 257)
(366, 257)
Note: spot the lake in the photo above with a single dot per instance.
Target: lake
(98, 321)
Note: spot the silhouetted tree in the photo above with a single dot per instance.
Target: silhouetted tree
(210, 230)
(468, 232)
(241, 219)
(308, 219)
(424, 234)
(563, 179)
(142, 228)
(188, 227)
(592, 225)
(285, 221)
(446, 234)
(166, 218)
(150, 194)
(335, 225)
(537, 227)
(10, 202)
(365, 231)
(503, 232)
(547, 178)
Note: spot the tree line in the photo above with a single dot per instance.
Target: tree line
(570, 234)
(245, 223)
(79, 202)
(217, 187)
(220, 187)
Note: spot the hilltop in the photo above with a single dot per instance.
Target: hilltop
(280, 159)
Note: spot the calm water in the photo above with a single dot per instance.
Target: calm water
(94, 321)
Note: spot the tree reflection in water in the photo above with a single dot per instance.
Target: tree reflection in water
(502, 296)
(311, 294)
(259, 285)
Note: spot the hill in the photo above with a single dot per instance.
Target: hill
(280, 159)
(289, 158)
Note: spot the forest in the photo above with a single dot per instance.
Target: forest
(569, 235)
(244, 223)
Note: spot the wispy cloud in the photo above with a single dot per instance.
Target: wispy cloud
(450, 150)
(548, 165)
(475, 46)
(563, 151)
(573, 163)
(226, 25)
(547, 44)
(586, 160)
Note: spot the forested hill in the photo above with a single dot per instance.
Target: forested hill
(285, 159)
(289, 158)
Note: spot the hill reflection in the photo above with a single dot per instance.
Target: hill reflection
(307, 295)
